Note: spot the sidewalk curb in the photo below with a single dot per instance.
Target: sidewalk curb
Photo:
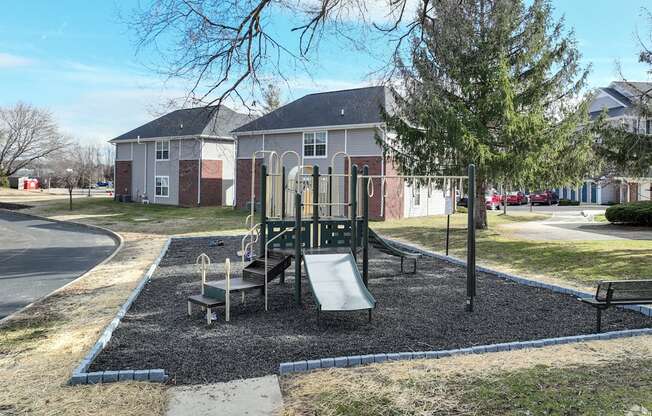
(81, 375)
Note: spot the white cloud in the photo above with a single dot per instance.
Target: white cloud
(8, 60)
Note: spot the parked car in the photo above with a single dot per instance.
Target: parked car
(546, 197)
(463, 201)
(492, 200)
(515, 198)
(102, 184)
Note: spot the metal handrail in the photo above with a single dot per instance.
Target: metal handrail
(252, 241)
(272, 154)
(266, 248)
(346, 156)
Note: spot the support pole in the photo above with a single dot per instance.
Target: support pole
(365, 229)
(448, 231)
(283, 185)
(330, 191)
(297, 248)
(283, 209)
(315, 206)
(470, 244)
(353, 195)
(263, 211)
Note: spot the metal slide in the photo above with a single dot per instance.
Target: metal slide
(336, 282)
(380, 244)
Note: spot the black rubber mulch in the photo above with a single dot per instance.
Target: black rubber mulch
(415, 313)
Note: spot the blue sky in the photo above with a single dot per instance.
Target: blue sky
(78, 59)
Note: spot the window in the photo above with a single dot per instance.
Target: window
(314, 144)
(163, 150)
(648, 126)
(162, 186)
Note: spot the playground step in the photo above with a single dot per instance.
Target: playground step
(255, 271)
(237, 284)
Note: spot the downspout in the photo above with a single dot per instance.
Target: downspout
(235, 171)
(145, 173)
(155, 165)
(201, 156)
(115, 164)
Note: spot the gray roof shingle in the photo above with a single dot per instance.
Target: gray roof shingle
(190, 122)
(359, 106)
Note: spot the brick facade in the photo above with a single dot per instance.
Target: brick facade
(211, 183)
(188, 182)
(243, 178)
(123, 177)
(394, 188)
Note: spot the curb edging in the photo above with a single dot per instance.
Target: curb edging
(358, 360)
(80, 374)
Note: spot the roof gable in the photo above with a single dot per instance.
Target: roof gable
(206, 121)
(334, 108)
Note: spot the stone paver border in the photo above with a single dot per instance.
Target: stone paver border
(81, 375)
(357, 360)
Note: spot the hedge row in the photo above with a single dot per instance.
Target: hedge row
(637, 213)
(568, 202)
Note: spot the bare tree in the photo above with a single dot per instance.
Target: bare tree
(226, 47)
(271, 98)
(65, 173)
(27, 134)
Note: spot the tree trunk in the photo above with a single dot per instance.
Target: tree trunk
(480, 205)
(70, 196)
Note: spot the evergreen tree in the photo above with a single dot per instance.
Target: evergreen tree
(494, 83)
(271, 98)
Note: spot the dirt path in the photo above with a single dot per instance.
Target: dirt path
(40, 347)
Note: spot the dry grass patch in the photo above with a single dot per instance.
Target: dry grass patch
(42, 345)
(459, 385)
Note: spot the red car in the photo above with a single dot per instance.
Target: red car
(492, 200)
(515, 198)
(544, 197)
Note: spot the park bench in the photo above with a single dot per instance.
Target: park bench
(618, 293)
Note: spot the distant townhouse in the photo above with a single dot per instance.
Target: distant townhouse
(618, 100)
(317, 127)
(185, 158)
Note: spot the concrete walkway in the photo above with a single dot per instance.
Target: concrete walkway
(576, 225)
(251, 397)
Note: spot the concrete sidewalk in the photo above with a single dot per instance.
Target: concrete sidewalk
(576, 226)
(250, 397)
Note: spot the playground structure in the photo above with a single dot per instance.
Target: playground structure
(322, 221)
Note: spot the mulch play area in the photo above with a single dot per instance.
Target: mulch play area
(414, 312)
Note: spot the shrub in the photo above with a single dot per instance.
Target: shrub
(4, 182)
(636, 213)
(567, 202)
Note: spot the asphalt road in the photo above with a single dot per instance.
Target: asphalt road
(38, 256)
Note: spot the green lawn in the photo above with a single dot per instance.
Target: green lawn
(587, 390)
(154, 219)
(612, 388)
(582, 262)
